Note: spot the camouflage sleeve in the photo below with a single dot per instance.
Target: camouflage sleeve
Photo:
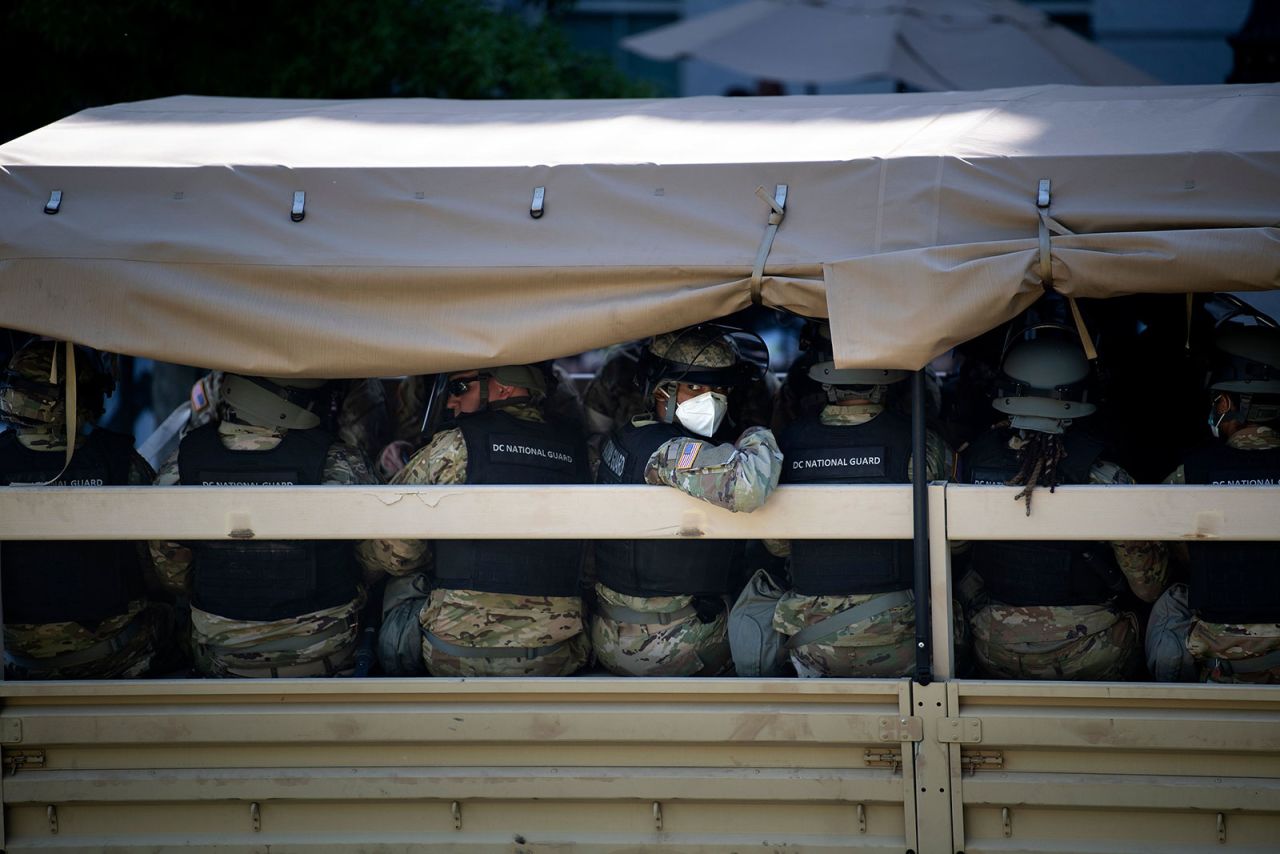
(442, 461)
(172, 561)
(737, 477)
(363, 420)
(410, 406)
(938, 459)
(1144, 563)
(346, 466)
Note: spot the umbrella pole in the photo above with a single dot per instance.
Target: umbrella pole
(920, 531)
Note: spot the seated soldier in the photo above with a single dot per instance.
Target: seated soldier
(1049, 610)
(495, 607)
(1224, 625)
(661, 603)
(850, 611)
(263, 608)
(76, 609)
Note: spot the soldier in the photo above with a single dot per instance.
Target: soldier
(1049, 609)
(495, 607)
(1224, 625)
(850, 611)
(261, 609)
(75, 609)
(661, 602)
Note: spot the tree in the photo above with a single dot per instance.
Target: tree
(61, 57)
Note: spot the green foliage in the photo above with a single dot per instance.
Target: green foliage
(59, 56)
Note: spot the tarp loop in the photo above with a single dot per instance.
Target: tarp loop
(299, 210)
(777, 210)
(1046, 225)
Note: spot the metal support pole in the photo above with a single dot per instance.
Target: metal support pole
(920, 528)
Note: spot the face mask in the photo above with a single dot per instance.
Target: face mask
(703, 414)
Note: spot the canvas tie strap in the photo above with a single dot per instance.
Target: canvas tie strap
(777, 210)
(1046, 225)
(620, 614)
(527, 653)
(873, 607)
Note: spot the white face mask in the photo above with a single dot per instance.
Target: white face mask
(703, 414)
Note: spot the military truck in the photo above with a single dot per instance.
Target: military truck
(376, 238)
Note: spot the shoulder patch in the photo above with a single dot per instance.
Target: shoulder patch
(688, 453)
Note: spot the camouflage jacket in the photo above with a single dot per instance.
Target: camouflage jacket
(738, 476)
(343, 465)
(470, 617)
(1254, 437)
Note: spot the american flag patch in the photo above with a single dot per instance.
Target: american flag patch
(688, 454)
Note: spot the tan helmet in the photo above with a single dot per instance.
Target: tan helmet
(32, 387)
(529, 377)
(1246, 362)
(870, 383)
(1044, 380)
(285, 402)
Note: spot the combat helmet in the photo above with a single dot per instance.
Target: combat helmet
(1246, 362)
(867, 383)
(291, 403)
(32, 387)
(709, 354)
(1044, 379)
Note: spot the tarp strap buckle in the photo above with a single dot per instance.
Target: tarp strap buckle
(777, 210)
(1046, 225)
(299, 212)
(54, 203)
(539, 197)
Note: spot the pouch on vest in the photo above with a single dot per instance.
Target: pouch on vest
(1168, 628)
(758, 650)
(400, 638)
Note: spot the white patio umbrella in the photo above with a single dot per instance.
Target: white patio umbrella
(928, 44)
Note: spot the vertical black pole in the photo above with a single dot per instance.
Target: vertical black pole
(920, 528)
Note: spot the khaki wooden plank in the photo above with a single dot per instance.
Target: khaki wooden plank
(515, 724)
(1124, 729)
(1123, 791)
(759, 785)
(361, 512)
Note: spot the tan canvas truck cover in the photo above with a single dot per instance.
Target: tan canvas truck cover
(416, 249)
(388, 237)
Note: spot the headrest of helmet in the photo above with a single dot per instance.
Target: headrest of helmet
(530, 377)
(274, 401)
(707, 354)
(1247, 360)
(1044, 374)
(828, 374)
(28, 394)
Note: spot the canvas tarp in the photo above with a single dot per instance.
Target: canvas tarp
(913, 218)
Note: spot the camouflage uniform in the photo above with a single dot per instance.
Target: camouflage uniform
(131, 643)
(126, 645)
(309, 644)
(882, 644)
(1213, 646)
(687, 646)
(1089, 642)
(471, 618)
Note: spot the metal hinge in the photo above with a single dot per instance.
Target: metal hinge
(986, 760)
(960, 730)
(17, 759)
(901, 729)
(883, 759)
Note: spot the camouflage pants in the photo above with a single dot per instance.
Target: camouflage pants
(1088, 642)
(683, 647)
(567, 659)
(1181, 647)
(128, 644)
(321, 643)
(879, 645)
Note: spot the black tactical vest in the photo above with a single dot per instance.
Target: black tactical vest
(504, 449)
(1045, 572)
(878, 451)
(272, 580)
(81, 581)
(1235, 582)
(657, 567)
